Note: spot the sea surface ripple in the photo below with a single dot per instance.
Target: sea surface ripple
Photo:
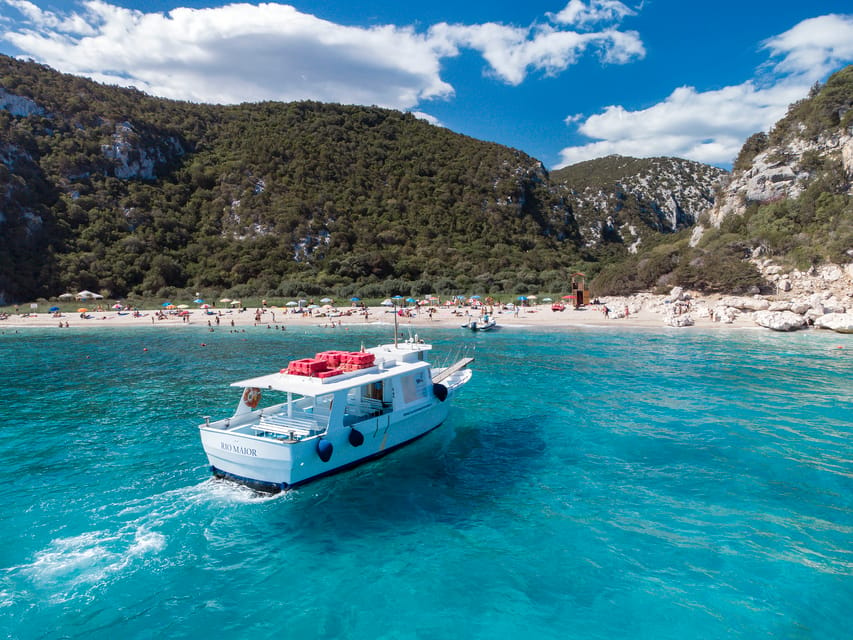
(587, 484)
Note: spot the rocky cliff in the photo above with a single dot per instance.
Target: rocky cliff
(629, 199)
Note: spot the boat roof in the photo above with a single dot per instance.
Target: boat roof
(391, 360)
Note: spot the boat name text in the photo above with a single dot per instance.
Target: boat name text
(234, 448)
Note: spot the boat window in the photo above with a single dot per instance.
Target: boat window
(323, 404)
(373, 390)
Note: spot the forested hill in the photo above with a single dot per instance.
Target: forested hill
(111, 190)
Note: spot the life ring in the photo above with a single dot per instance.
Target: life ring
(251, 397)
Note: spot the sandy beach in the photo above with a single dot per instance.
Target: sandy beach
(278, 317)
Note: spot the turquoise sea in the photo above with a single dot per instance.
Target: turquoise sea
(589, 483)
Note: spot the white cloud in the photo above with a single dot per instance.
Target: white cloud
(511, 51)
(597, 11)
(711, 126)
(814, 47)
(241, 52)
(237, 53)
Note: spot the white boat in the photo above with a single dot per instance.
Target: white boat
(325, 414)
(486, 323)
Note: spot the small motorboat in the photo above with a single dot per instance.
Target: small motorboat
(332, 412)
(486, 323)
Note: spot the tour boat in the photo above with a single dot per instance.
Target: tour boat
(321, 415)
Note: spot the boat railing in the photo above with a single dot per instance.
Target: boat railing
(296, 425)
(365, 407)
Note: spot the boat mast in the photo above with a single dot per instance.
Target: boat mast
(395, 324)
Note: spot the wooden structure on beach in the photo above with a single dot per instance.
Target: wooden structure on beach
(580, 293)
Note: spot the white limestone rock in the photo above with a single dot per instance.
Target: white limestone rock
(779, 320)
(678, 320)
(838, 322)
(746, 304)
(724, 314)
(780, 305)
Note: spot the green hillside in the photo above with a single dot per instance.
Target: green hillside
(111, 190)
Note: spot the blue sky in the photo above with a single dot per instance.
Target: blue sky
(563, 81)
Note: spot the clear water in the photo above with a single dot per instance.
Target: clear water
(588, 484)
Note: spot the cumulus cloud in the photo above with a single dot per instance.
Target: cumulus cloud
(241, 52)
(711, 126)
(814, 47)
(596, 12)
(513, 52)
(236, 53)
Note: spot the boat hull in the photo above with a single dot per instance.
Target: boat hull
(272, 466)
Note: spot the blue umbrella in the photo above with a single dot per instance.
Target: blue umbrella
(355, 299)
(522, 297)
(410, 300)
(52, 309)
(396, 297)
(197, 301)
(475, 297)
(166, 304)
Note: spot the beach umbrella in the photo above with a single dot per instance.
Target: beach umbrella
(171, 306)
(52, 309)
(183, 306)
(198, 300)
(166, 304)
(82, 310)
(567, 297)
(204, 306)
(355, 299)
(410, 300)
(475, 297)
(387, 303)
(522, 298)
(396, 297)
(325, 300)
(531, 297)
(547, 300)
(292, 303)
(236, 303)
(225, 300)
(117, 306)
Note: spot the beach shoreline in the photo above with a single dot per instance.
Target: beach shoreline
(526, 317)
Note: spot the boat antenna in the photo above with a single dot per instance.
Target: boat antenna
(395, 324)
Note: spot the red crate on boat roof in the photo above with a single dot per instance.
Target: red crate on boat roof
(360, 358)
(306, 366)
(333, 358)
(329, 373)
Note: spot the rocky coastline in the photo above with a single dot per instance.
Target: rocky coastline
(821, 297)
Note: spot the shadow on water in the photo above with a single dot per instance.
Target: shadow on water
(449, 476)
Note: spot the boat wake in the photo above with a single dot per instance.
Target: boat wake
(133, 536)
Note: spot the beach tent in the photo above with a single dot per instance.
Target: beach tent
(88, 295)
(66, 296)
